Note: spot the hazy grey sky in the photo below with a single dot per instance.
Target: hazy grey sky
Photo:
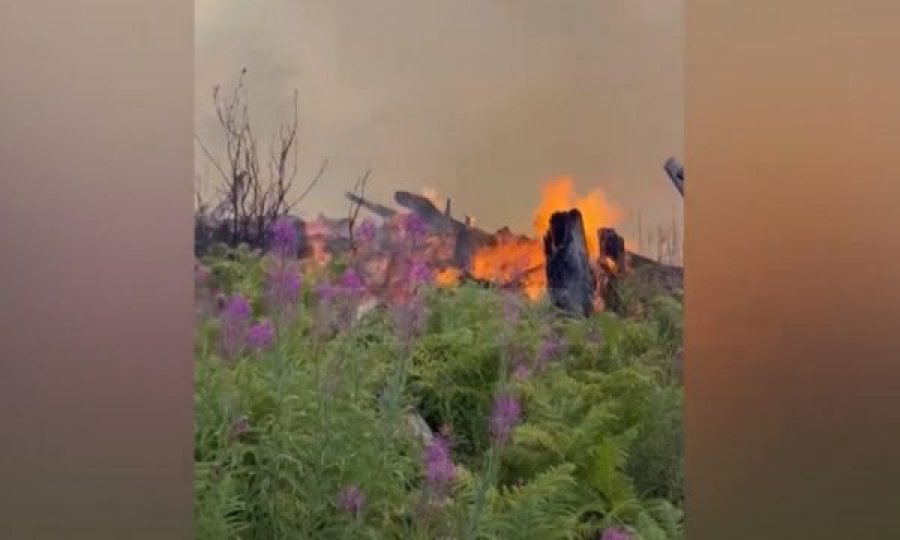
(482, 100)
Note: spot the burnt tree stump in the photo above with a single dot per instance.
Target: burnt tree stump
(570, 281)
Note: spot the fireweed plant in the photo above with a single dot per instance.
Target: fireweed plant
(537, 426)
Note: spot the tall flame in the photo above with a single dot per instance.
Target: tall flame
(596, 212)
(519, 259)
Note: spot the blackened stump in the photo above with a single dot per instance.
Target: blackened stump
(570, 281)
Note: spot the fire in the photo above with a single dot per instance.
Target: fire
(595, 210)
(518, 261)
(447, 277)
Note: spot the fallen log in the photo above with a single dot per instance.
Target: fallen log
(468, 239)
(422, 206)
(377, 209)
(570, 281)
(676, 174)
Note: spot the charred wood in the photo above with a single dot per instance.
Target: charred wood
(612, 247)
(436, 220)
(468, 241)
(377, 209)
(570, 281)
(676, 174)
(613, 265)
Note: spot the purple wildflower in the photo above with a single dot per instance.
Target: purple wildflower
(419, 273)
(414, 226)
(351, 500)
(284, 236)
(504, 417)
(339, 302)
(439, 469)
(350, 282)
(235, 317)
(615, 533)
(282, 288)
(260, 335)
(237, 309)
(366, 231)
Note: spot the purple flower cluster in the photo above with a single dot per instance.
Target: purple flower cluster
(351, 283)
(615, 533)
(439, 469)
(504, 416)
(235, 318)
(419, 273)
(284, 236)
(338, 302)
(351, 501)
(237, 309)
(366, 231)
(261, 335)
(409, 307)
(237, 333)
(282, 288)
(414, 227)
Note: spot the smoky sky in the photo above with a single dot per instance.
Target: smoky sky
(480, 100)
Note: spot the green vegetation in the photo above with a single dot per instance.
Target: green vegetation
(307, 435)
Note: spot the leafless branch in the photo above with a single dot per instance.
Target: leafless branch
(255, 193)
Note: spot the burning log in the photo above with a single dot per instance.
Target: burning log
(570, 281)
(676, 174)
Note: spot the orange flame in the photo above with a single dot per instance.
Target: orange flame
(447, 277)
(596, 211)
(520, 260)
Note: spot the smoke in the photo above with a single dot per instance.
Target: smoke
(482, 100)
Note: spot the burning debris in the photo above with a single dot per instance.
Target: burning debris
(574, 256)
